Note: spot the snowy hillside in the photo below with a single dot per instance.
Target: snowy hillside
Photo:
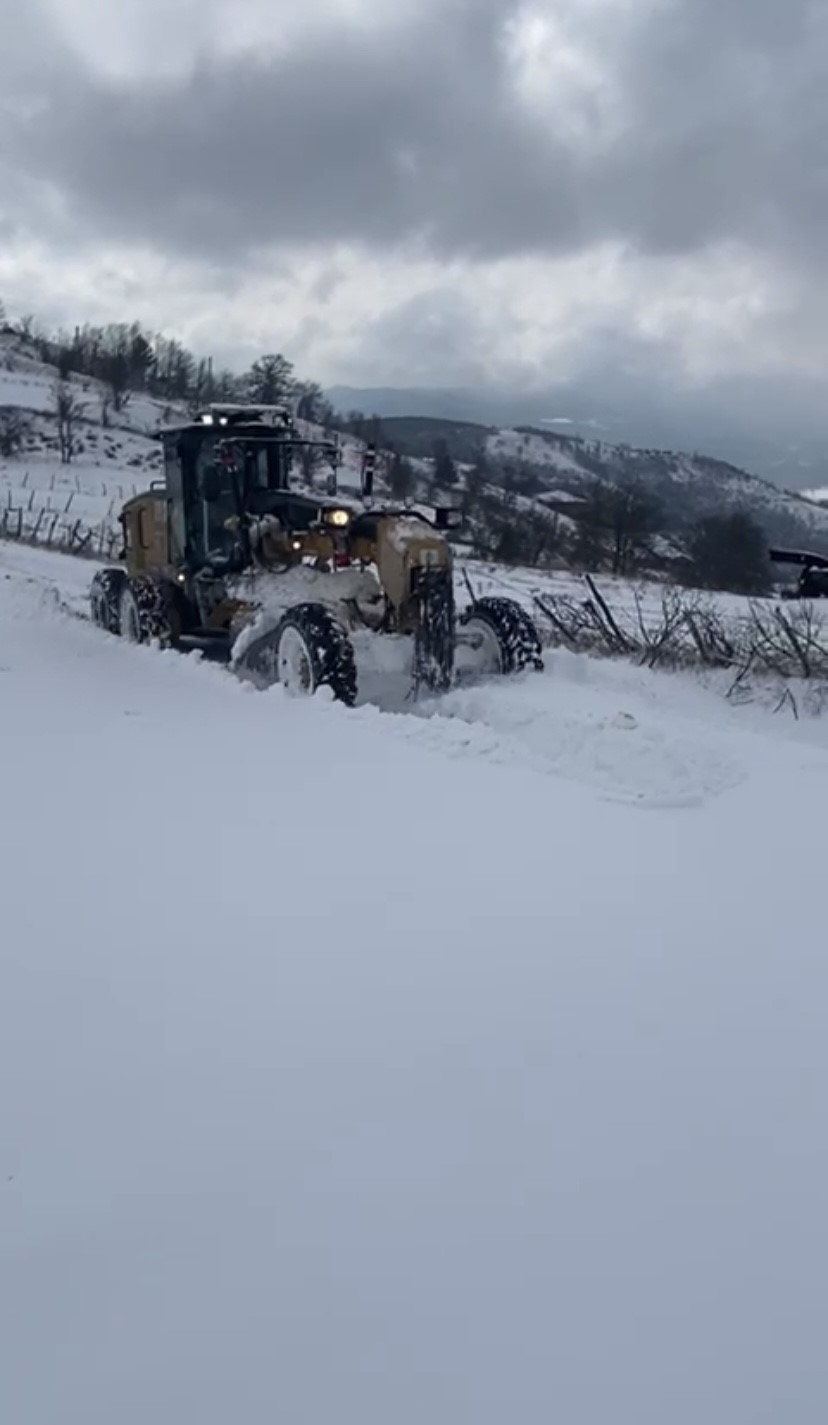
(497, 1099)
(687, 485)
(29, 384)
(543, 463)
(76, 504)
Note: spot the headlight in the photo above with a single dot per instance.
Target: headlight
(338, 518)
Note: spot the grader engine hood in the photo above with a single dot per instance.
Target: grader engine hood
(415, 567)
(405, 547)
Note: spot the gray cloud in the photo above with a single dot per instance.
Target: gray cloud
(729, 130)
(430, 339)
(345, 137)
(707, 122)
(415, 134)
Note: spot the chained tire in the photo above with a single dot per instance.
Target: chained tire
(307, 650)
(509, 633)
(105, 599)
(147, 612)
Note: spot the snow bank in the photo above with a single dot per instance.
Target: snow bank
(349, 1075)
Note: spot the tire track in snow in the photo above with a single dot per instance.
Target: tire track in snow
(622, 747)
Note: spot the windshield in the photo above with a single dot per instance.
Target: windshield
(266, 465)
(261, 501)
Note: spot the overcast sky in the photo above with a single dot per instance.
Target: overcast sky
(425, 191)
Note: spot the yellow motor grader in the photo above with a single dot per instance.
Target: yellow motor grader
(287, 582)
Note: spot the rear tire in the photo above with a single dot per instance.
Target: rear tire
(308, 650)
(507, 627)
(105, 599)
(147, 613)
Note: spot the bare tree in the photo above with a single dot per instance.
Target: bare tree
(68, 410)
(203, 391)
(477, 477)
(311, 459)
(634, 515)
(311, 404)
(13, 431)
(116, 374)
(590, 549)
(270, 380)
(615, 526)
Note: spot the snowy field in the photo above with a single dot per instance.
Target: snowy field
(399, 1069)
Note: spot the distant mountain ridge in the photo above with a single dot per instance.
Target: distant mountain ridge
(687, 487)
(779, 435)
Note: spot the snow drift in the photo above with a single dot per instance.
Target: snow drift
(380, 1069)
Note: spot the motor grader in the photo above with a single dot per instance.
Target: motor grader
(288, 583)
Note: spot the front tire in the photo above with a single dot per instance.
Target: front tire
(308, 650)
(147, 614)
(508, 636)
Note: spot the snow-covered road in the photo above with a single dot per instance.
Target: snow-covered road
(388, 1069)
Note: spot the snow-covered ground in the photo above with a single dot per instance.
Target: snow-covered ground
(369, 1068)
(75, 505)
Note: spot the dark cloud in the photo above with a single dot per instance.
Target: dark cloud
(729, 122)
(347, 136)
(707, 121)
(413, 134)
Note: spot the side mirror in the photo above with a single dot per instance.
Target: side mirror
(211, 485)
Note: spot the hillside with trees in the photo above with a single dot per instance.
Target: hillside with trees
(531, 497)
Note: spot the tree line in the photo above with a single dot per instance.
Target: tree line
(127, 359)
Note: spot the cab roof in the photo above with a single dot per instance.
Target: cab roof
(270, 418)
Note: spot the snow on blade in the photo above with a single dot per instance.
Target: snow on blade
(273, 594)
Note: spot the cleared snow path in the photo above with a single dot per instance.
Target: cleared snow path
(381, 1070)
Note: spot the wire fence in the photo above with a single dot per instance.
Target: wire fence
(56, 530)
(784, 642)
(52, 518)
